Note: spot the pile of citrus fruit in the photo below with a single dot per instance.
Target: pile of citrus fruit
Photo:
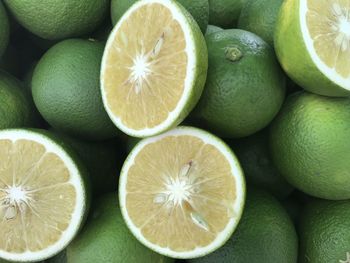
(155, 131)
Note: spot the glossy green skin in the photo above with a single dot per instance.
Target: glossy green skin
(212, 29)
(59, 258)
(325, 232)
(254, 156)
(66, 89)
(259, 17)
(102, 159)
(265, 234)
(4, 29)
(310, 144)
(240, 97)
(59, 19)
(294, 58)
(105, 238)
(16, 106)
(199, 9)
(225, 13)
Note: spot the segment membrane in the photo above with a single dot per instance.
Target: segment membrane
(36, 198)
(146, 67)
(328, 23)
(180, 192)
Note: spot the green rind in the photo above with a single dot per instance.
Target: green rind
(265, 234)
(212, 29)
(118, 8)
(225, 13)
(199, 9)
(4, 29)
(17, 109)
(200, 74)
(259, 17)
(324, 232)
(105, 238)
(83, 173)
(66, 89)
(294, 57)
(309, 142)
(242, 96)
(59, 19)
(254, 155)
(243, 186)
(59, 258)
(102, 159)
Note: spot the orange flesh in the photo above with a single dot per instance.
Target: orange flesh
(36, 221)
(186, 165)
(329, 27)
(145, 70)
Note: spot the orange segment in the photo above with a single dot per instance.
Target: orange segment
(36, 198)
(180, 192)
(146, 67)
(328, 23)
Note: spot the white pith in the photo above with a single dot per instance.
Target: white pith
(347, 260)
(17, 198)
(21, 195)
(180, 190)
(342, 27)
(139, 70)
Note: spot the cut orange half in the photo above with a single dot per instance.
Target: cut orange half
(42, 196)
(312, 41)
(182, 193)
(153, 68)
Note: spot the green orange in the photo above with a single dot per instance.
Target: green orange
(259, 17)
(324, 232)
(105, 238)
(245, 86)
(58, 19)
(16, 106)
(199, 9)
(66, 89)
(265, 234)
(309, 144)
